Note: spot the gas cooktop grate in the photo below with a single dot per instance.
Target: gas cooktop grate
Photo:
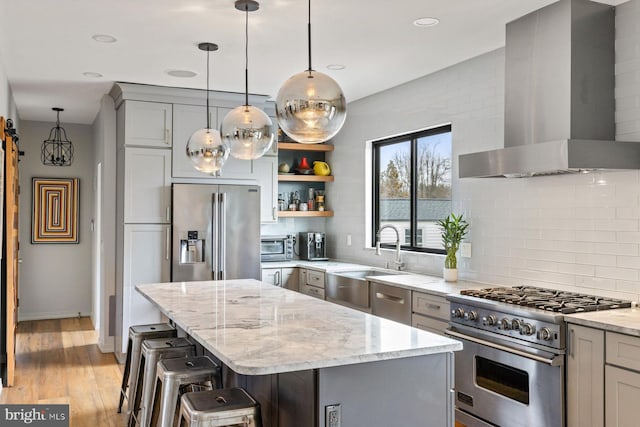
(547, 299)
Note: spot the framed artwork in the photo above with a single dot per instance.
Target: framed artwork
(54, 218)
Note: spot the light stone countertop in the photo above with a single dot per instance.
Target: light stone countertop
(403, 279)
(258, 329)
(624, 320)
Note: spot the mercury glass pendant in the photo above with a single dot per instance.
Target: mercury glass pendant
(205, 148)
(310, 106)
(246, 129)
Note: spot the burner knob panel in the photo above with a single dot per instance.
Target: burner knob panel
(471, 316)
(516, 324)
(504, 324)
(489, 320)
(545, 334)
(458, 312)
(527, 329)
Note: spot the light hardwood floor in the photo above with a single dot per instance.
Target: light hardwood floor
(58, 361)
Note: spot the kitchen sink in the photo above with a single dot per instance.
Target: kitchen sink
(351, 288)
(361, 274)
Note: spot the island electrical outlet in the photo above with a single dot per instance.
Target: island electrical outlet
(332, 416)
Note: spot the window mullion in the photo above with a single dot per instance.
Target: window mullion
(413, 220)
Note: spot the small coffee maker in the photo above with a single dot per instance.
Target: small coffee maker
(313, 246)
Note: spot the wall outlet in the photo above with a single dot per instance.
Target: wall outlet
(332, 416)
(465, 250)
(348, 239)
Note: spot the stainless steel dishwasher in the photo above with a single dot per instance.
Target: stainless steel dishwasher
(351, 288)
(391, 302)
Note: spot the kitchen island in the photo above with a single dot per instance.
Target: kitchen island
(300, 356)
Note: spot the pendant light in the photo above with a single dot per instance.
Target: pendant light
(205, 147)
(246, 129)
(310, 106)
(57, 150)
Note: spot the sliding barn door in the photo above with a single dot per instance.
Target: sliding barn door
(10, 255)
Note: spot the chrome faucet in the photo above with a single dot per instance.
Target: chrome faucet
(398, 261)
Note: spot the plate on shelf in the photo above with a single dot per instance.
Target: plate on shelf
(286, 173)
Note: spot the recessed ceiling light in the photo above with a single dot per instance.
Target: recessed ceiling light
(336, 67)
(426, 22)
(104, 38)
(92, 74)
(181, 73)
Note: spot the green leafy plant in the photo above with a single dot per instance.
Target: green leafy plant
(454, 228)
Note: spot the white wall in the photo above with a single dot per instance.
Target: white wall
(55, 279)
(103, 244)
(8, 108)
(569, 231)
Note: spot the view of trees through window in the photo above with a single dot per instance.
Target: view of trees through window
(412, 187)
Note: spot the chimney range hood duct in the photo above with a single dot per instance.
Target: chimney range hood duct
(559, 96)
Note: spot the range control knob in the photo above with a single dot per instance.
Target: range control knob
(527, 329)
(516, 324)
(458, 312)
(489, 320)
(545, 334)
(471, 316)
(504, 324)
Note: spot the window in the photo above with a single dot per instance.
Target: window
(412, 188)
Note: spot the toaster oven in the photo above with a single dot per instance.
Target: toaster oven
(276, 248)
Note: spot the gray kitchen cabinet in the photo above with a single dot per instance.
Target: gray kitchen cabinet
(391, 302)
(585, 377)
(285, 277)
(266, 173)
(146, 256)
(622, 390)
(147, 185)
(429, 312)
(311, 282)
(188, 119)
(147, 124)
(622, 380)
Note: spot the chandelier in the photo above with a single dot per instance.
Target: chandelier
(57, 150)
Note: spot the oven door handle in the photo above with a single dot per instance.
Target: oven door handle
(555, 361)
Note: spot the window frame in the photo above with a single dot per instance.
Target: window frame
(413, 138)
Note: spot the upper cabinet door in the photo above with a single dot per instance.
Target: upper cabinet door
(148, 124)
(147, 188)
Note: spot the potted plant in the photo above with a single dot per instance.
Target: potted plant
(454, 228)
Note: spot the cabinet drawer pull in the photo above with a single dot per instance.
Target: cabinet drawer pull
(433, 306)
(390, 298)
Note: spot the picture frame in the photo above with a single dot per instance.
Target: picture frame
(54, 214)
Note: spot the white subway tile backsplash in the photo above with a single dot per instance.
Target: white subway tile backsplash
(616, 273)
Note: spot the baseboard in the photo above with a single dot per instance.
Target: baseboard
(47, 316)
(106, 347)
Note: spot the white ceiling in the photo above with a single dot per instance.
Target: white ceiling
(46, 46)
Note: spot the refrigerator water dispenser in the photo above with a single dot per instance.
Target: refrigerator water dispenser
(191, 248)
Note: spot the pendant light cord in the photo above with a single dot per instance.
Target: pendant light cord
(309, 35)
(207, 112)
(246, 54)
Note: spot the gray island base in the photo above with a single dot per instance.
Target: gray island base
(308, 361)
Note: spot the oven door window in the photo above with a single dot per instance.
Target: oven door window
(502, 379)
(272, 247)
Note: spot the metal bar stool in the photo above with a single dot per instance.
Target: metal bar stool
(177, 376)
(217, 408)
(137, 334)
(152, 351)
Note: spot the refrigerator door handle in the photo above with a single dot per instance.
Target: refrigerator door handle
(223, 239)
(215, 246)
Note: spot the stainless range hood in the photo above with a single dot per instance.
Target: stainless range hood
(559, 96)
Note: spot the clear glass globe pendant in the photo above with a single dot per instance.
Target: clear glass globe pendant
(246, 129)
(205, 148)
(248, 132)
(206, 151)
(311, 107)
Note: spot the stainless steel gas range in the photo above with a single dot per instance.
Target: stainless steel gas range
(511, 371)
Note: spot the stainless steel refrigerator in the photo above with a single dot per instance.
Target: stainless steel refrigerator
(216, 232)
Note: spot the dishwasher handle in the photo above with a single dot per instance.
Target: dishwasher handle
(390, 298)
